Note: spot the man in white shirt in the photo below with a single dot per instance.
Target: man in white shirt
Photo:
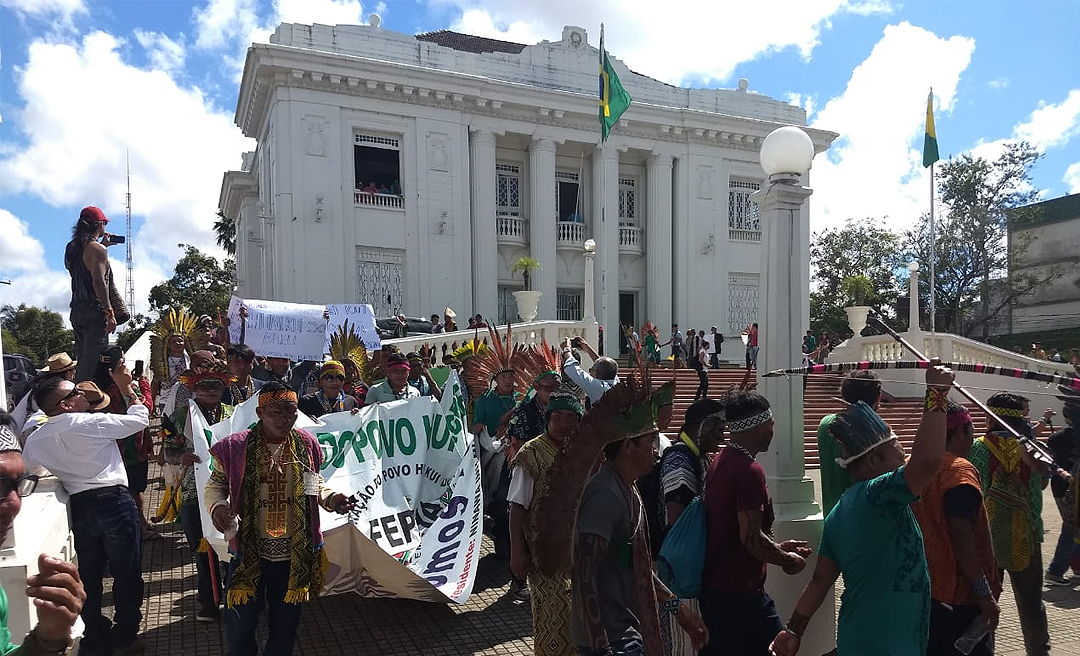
(602, 376)
(80, 449)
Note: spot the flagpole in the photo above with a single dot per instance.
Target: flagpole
(933, 257)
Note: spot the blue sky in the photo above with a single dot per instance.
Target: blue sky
(85, 82)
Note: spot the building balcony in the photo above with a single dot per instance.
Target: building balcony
(382, 201)
(630, 242)
(740, 234)
(512, 230)
(569, 235)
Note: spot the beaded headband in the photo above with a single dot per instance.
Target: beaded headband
(1007, 412)
(331, 367)
(276, 396)
(740, 425)
(398, 365)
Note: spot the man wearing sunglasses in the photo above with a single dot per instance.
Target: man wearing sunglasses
(57, 591)
(79, 448)
(331, 396)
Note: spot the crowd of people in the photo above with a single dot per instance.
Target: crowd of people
(922, 540)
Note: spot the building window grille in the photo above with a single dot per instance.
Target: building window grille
(568, 305)
(508, 305)
(742, 301)
(744, 218)
(508, 189)
(627, 202)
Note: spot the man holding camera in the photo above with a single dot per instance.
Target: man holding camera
(602, 376)
(93, 318)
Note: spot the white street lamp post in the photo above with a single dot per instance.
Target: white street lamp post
(786, 155)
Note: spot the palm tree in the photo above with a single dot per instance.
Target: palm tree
(226, 233)
(525, 266)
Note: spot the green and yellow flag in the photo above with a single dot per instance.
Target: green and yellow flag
(613, 98)
(929, 149)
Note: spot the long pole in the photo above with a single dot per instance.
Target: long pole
(1034, 449)
(933, 257)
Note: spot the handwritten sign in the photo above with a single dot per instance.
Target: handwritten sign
(281, 330)
(361, 318)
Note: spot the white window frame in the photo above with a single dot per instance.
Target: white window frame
(512, 174)
(744, 219)
(628, 202)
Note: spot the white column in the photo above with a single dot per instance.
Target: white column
(542, 222)
(485, 248)
(785, 253)
(913, 303)
(605, 230)
(681, 248)
(658, 242)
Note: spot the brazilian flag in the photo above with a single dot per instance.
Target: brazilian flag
(929, 149)
(613, 98)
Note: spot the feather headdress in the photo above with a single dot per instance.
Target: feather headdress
(216, 371)
(491, 361)
(345, 344)
(555, 505)
(173, 323)
(533, 361)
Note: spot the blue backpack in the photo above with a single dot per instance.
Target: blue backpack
(682, 556)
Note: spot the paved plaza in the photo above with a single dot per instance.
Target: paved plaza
(491, 623)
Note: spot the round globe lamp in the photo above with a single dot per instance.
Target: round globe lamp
(786, 154)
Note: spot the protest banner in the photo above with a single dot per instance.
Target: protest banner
(281, 330)
(361, 318)
(414, 470)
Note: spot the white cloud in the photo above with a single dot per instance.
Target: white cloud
(74, 153)
(164, 53)
(224, 24)
(673, 42)
(19, 251)
(21, 262)
(1052, 125)
(1072, 178)
(63, 10)
(998, 83)
(874, 168)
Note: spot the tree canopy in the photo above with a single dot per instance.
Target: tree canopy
(35, 332)
(199, 283)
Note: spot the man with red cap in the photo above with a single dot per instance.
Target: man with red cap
(93, 318)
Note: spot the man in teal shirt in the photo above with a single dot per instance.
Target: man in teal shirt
(871, 536)
(857, 386)
(56, 588)
(491, 408)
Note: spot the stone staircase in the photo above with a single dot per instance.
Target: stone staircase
(822, 397)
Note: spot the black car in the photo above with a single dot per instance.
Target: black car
(19, 373)
(416, 326)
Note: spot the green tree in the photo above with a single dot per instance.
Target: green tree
(858, 249)
(35, 332)
(199, 283)
(972, 252)
(225, 229)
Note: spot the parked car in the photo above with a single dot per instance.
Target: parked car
(19, 373)
(415, 325)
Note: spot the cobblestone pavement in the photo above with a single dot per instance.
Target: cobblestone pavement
(489, 624)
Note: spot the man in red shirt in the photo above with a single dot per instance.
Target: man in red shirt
(751, 333)
(739, 614)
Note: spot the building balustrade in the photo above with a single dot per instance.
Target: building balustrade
(512, 230)
(738, 234)
(630, 240)
(388, 201)
(569, 234)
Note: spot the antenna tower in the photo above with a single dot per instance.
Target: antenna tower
(130, 286)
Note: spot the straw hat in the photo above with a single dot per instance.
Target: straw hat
(97, 399)
(58, 364)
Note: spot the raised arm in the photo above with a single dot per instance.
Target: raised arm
(929, 448)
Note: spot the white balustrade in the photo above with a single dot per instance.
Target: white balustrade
(629, 239)
(388, 201)
(535, 332)
(738, 234)
(512, 230)
(569, 234)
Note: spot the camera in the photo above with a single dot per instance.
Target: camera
(115, 239)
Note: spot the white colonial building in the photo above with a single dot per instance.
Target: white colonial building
(410, 172)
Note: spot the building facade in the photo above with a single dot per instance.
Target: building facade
(410, 172)
(1044, 243)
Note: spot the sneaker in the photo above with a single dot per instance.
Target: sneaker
(207, 613)
(520, 590)
(1057, 579)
